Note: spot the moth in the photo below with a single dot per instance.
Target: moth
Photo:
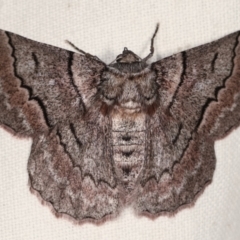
(128, 133)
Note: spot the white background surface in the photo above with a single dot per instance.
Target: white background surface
(103, 28)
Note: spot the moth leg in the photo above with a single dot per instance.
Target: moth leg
(152, 45)
(81, 51)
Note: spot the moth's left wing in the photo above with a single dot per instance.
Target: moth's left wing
(199, 102)
(49, 94)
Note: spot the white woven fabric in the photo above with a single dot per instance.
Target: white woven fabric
(103, 28)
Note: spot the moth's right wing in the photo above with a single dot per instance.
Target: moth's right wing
(199, 102)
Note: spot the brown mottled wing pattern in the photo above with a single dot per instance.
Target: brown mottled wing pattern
(47, 93)
(199, 102)
(54, 96)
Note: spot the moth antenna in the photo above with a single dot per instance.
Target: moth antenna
(81, 51)
(76, 48)
(152, 44)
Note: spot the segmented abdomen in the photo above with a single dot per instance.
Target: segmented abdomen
(128, 135)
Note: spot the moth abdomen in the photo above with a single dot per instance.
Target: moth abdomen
(128, 134)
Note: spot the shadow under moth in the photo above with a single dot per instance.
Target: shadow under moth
(127, 133)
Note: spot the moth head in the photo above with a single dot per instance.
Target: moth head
(127, 56)
(130, 62)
